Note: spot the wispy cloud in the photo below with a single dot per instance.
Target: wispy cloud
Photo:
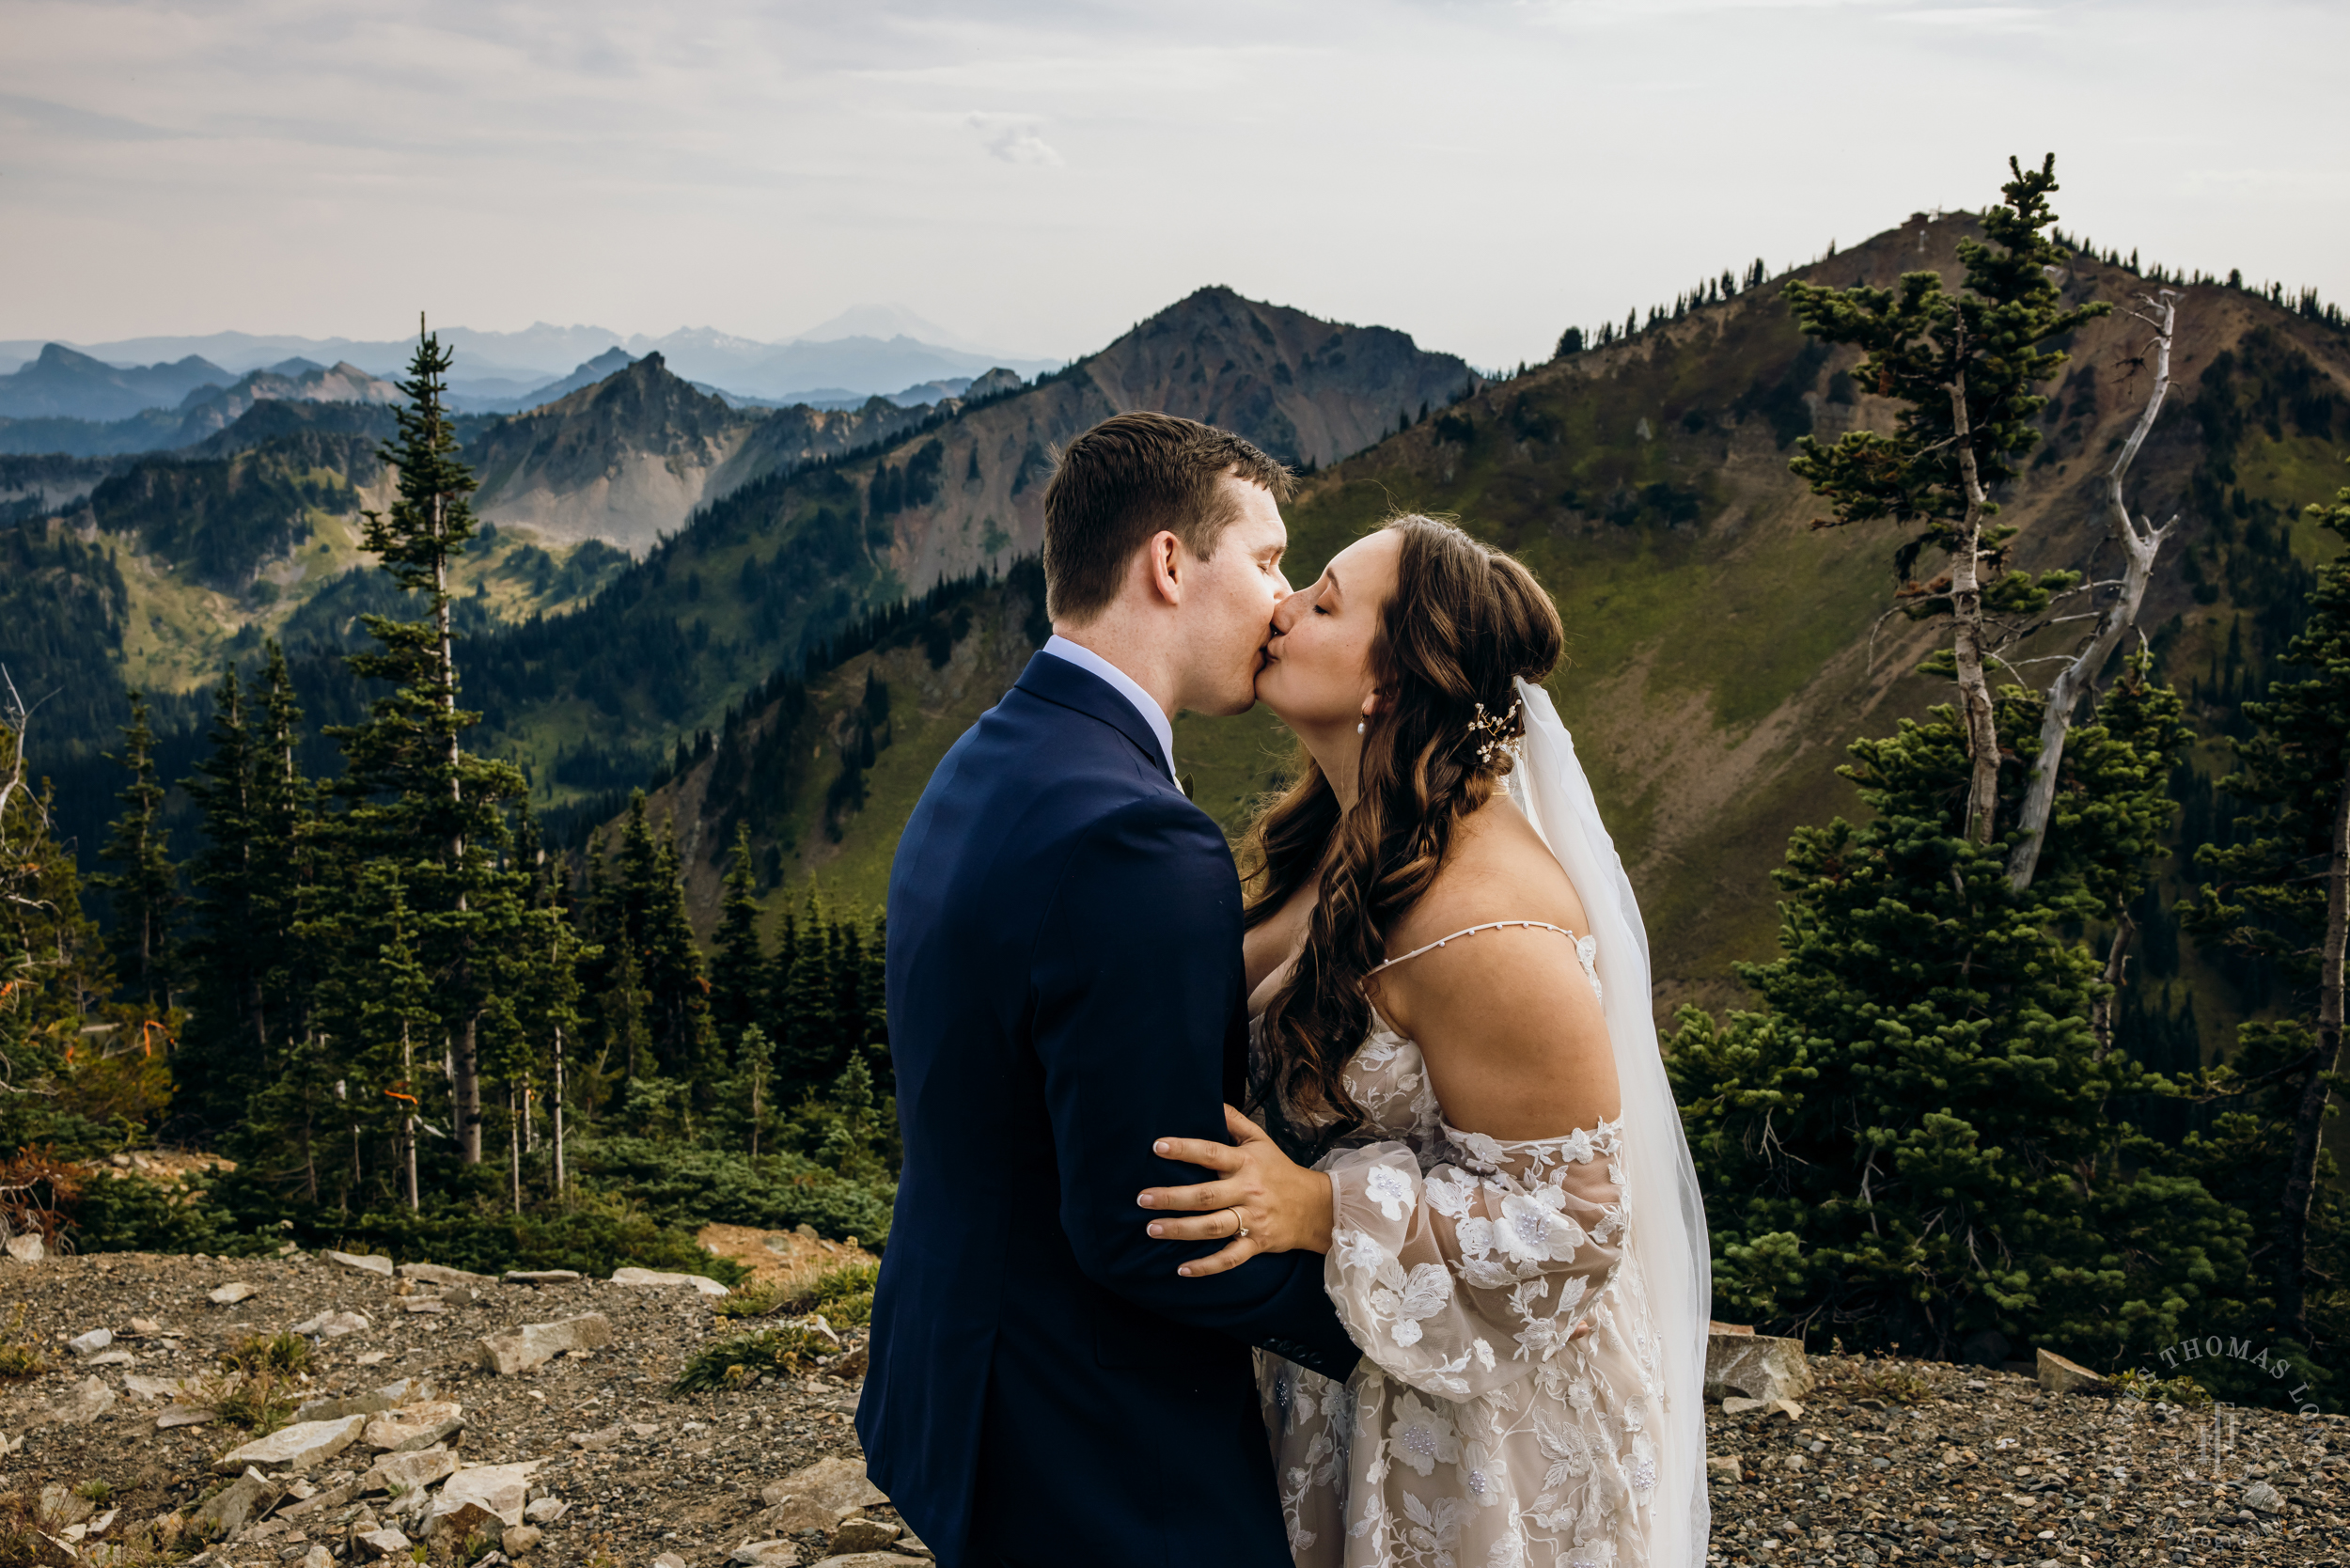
(1014, 138)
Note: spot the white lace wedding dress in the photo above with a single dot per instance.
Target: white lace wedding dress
(1477, 1432)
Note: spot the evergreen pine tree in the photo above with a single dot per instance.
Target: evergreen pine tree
(2282, 892)
(55, 974)
(1963, 368)
(1915, 1144)
(807, 1055)
(145, 891)
(225, 1040)
(738, 970)
(417, 797)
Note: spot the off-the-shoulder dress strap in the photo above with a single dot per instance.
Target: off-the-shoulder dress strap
(1490, 925)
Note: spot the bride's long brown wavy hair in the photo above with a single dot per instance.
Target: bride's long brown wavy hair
(1465, 622)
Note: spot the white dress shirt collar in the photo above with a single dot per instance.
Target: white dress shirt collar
(1124, 684)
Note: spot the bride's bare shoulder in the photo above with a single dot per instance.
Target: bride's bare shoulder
(1496, 868)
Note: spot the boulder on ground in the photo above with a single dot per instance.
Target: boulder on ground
(499, 1492)
(91, 1343)
(521, 1539)
(413, 1427)
(703, 1283)
(534, 1344)
(407, 1472)
(373, 1402)
(865, 1535)
(304, 1446)
(544, 1511)
(433, 1273)
(766, 1554)
(366, 1263)
(232, 1292)
(225, 1512)
(334, 1326)
(388, 1542)
(540, 1276)
(819, 1497)
(26, 1249)
(1756, 1365)
(2060, 1376)
(1724, 1469)
(186, 1415)
(89, 1400)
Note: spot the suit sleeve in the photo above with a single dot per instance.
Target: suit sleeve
(1135, 981)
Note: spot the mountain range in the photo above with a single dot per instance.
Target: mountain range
(867, 351)
(826, 598)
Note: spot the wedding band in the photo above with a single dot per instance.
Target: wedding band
(1239, 1220)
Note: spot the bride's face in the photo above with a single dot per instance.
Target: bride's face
(1317, 670)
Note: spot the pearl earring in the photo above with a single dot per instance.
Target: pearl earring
(1358, 726)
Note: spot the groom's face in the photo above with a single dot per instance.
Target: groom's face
(1231, 618)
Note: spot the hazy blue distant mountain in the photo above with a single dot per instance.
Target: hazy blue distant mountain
(61, 383)
(865, 351)
(203, 412)
(477, 399)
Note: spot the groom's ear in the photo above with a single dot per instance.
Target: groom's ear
(1163, 567)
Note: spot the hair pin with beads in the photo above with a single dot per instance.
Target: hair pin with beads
(1496, 732)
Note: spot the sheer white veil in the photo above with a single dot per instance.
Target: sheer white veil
(1668, 1235)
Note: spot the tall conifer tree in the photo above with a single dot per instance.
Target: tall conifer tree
(2282, 892)
(738, 969)
(416, 795)
(145, 890)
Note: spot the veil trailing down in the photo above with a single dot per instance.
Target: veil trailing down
(1668, 1237)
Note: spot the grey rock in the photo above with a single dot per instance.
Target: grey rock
(111, 1358)
(186, 1415)
(598, 1440)
(60, 1507)
(367, 1263)
(531, 1346)
(413, 1427)
(766, 1554)
(433, 1273)
(540, 1276)
(408, 1472)
(371, 1404)
(1724, 1469)
(304, 1446)
(544, 1511)
(668, 1560)
(865, 1535)
(518, 1538)
(1756, 1365)
(232, 1292)
(864, 1560)
(388, 1542)
(654, 1277)
(317, 1556)
(2264, 1497)
(2060, 1376)
(334, 1326)
(90, 1400)
(499, 1492)
(318, 1502)
(158, 1387)
(819, 1497)
(26, 1249)
(225, 1512)
(91, 1343)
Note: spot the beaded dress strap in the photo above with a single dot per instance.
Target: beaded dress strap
(1490, 925)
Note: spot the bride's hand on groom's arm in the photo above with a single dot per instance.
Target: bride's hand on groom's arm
(1282, 1206)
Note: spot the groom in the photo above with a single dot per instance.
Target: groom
(1064, 987)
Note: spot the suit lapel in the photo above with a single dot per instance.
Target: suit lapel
(1056, 680)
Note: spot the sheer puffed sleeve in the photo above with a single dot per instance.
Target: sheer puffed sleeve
(1473, 1274)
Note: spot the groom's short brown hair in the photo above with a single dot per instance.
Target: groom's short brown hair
(1127, 479)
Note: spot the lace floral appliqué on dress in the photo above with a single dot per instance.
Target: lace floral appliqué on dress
(1477, 1432)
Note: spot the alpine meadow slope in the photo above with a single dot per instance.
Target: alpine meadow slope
(1723, 653)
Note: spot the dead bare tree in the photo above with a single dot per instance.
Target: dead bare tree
(2142, 543)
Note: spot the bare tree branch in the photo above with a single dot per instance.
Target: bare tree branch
(2142, 543)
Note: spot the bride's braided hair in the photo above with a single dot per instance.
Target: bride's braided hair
(1467, 620)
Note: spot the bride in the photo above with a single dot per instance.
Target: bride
(1451, 1029)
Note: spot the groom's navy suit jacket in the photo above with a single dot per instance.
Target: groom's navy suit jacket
(1065, 986)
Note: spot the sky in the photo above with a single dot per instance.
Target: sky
(1038, 176)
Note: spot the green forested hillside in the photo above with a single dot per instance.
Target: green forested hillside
(1723, 653)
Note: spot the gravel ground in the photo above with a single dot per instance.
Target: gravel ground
(1963, 1465)
(682, 1475)
(1881, 1464)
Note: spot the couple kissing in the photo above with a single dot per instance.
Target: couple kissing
(1339, 1216)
